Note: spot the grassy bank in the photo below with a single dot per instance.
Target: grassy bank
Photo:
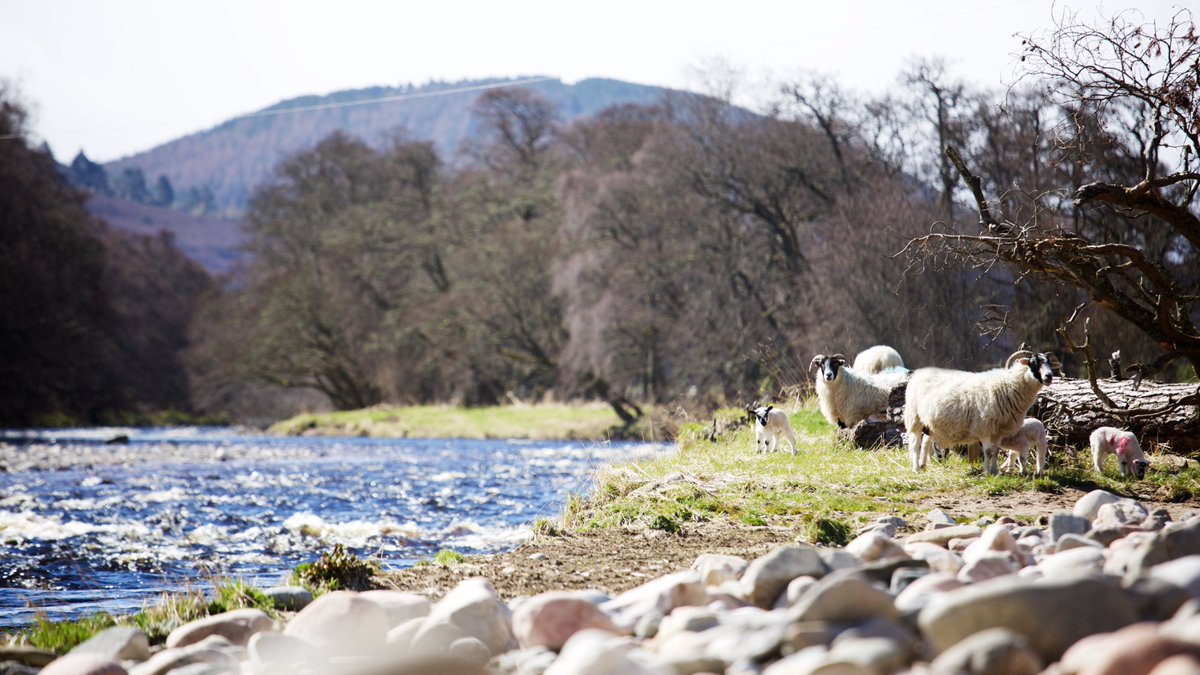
(827, 489)
(547, 421)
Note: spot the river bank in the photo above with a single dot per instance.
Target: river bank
(594, 421)
(652, 518)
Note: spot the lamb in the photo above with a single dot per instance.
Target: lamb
(1032, 432)
(1124, 444)
(877, 359)
(846, 396)
(771, 423)
(955, 407)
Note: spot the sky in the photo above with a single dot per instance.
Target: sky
(116, 77)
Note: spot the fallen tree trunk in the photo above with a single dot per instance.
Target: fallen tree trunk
(1071, 411)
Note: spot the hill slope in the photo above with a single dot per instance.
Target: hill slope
(233, 157)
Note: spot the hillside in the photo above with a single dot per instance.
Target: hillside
(237, 155)
(211, 242)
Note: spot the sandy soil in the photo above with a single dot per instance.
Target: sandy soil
(618, 559)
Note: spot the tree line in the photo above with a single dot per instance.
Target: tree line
(698, 253)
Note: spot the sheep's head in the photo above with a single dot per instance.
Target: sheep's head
(760, 414)
(1130, 459)
(828, 365)
(1041, 366)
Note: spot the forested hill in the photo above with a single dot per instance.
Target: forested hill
(239, 154)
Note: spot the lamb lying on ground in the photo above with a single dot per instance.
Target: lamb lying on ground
(1032, 432)
(771, 424)
(1124, 444)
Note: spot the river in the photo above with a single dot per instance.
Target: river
(87, 525)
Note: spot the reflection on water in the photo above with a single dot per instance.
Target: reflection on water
(86, 525)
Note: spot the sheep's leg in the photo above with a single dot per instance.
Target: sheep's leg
(1097, 451)
(926, 451)
(1041, 455)
(791, 437)
(991, 458)
(914, 444)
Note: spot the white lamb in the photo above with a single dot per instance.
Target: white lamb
(1124, 444)
(846, 396)
(956, 407)
(877, 359)
(770, 424)
(1031, 433)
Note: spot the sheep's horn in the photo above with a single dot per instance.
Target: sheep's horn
(839, 356)
(815, 362)
(1016, 355)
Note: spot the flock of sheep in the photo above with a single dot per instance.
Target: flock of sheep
(947, 408)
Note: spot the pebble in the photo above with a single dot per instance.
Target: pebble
(550, 619)
(119, 643)
(1052, 614)
(474, 607)
(768, 576)
(716, 569)
(289, 598)
(1087, 505)
(236, 626)
(942, 536)
(1105, 589)
(87, 663)
(995, 651)
(340, 624)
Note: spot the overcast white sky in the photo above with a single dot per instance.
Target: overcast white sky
(120, 76)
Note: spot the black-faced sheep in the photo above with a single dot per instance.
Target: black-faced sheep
(1124, 444)
(771, 424)
(846, 396)
(956, 407)
(877, 359)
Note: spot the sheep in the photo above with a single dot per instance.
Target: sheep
(877, 359)
(771, 423)
(956, 407)
(846, 396)
(1124, 444)
(1032, 432)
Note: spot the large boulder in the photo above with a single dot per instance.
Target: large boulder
(1052, 614)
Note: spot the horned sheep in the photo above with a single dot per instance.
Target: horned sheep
(956, 407)
(847, 396)
(877, 359)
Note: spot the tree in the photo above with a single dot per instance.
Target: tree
(1123, 229)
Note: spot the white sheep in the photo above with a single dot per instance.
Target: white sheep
(1124, 444)
(1031, 433)
(846, 396)
(771, 424)
(877, 359)
(956, 407)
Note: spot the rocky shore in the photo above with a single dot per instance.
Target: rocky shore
(1109, 587)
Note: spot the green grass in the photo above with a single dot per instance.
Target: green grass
(336, 570)
(536, 422)
(448, 558)
(157, 621)
(825, 491)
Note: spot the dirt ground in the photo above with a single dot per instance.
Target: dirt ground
(617, 559)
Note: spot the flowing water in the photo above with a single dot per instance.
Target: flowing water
(90, 526)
